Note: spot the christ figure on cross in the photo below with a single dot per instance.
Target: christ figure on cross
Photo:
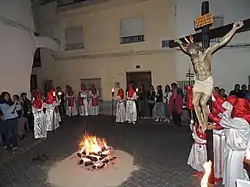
(201, 61)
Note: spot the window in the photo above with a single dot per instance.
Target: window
(132, 30)
(96, 81)
(183, 84)
(165, 43)
(74, 38)
(218, 21)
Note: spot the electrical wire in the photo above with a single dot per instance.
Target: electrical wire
(9, 22)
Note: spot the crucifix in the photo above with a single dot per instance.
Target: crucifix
(201, 60)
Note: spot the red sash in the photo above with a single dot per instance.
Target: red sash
(201, 135)
(56, 109)
(37, 104)
(95, 100)
(80, 99)
(71, 101)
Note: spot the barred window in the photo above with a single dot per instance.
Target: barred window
(184, 84)
(96, 81)
(68, 2)
(132, 30)
(74, 38)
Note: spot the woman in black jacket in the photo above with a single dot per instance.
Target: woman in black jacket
(151, 100)
(159, 105)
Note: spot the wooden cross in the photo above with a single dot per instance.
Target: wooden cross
(204, 22)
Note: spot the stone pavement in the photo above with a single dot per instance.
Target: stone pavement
(159, 150)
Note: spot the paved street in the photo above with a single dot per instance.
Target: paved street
(159, 150)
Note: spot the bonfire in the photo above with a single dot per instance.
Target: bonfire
(94, 153)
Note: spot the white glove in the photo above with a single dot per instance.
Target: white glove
(213, 99)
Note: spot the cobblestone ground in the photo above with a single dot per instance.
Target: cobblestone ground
(159, 150)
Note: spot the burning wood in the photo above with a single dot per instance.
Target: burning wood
(94, 153)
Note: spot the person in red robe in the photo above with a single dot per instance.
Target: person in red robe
(52, 112)
(39, 116)
(71, 109)
(94, 101)
(237, 140)
(131, 111)
(120, 107)
(83, 101)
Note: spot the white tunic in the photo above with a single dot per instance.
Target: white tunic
(198, 153)
(39, 123)
(218, 141)
(83, 107)
(93, 107)
(237, 133)
(52, 117)
(131, 111)
(49, 117)
(71, 110)
(120, 110)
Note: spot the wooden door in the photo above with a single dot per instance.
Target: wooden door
(139, 78)
(33, 82)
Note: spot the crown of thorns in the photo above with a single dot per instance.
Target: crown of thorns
(189, 40)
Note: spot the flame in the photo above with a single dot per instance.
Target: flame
(92, 144)
(208, 167)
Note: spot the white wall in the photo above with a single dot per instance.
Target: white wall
(230, 65)
(17, 46)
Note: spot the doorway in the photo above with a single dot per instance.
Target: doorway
(33, 82)
(139, 78)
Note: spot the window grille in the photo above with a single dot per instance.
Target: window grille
(96, 81)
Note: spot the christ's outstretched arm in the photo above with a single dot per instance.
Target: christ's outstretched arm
(225, 39)
(183, 48)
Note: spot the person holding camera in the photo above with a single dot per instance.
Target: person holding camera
(10, 126)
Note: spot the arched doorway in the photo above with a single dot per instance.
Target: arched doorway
(36, 64)
(41, 75)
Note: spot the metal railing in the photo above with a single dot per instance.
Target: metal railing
(184, 84)
(61, 3)
(69, 2)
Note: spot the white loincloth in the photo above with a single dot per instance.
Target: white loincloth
(206, 86)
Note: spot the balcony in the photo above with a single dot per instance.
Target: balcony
(63, 5)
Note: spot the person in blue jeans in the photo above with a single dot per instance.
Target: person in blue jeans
(10, 117)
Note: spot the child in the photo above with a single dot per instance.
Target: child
(198, 153)
(175, 107)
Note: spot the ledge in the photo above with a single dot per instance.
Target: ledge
(107, 54)
(46, 42)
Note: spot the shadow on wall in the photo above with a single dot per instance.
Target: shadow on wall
(17, 52)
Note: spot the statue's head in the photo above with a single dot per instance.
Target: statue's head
(193, 48)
